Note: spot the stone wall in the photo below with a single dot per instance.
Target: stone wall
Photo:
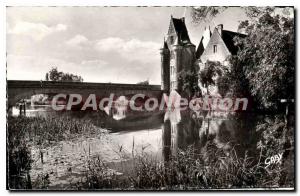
(165, 69)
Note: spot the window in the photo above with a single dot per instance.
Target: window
(172, 83)
(173, 71)
(215, 48)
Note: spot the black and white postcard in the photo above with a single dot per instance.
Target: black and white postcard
(150, 98)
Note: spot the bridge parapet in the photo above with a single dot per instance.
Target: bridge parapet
(20, 89)
(55, 84)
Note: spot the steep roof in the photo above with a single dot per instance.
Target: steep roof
(181, 30)
(228, 38)
(200, 49)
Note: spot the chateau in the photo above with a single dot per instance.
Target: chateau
(179, 53)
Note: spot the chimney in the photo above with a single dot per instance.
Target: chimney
(220, 29)
(183, 19)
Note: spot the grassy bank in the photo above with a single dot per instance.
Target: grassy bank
(189, 169)
(210, 168)
(23, 132)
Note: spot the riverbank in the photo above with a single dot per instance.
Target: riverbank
(65, 153)
(33, 140)
(210, 168)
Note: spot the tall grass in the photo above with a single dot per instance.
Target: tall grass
(44, 131)
(208, 168)
(22, 132)
(100, 176)
(189, 169)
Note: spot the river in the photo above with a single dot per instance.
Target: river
(160, 135)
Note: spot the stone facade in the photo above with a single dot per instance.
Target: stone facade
(165, 67)
(216, 49)
(178, 53)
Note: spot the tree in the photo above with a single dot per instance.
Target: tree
(268, 58)
(189, 82)
(233, 81)
(47, 77)
(264, 66)
(55, 75)
(146, 82)
(210, 71)
(223, 83)
(205, 13)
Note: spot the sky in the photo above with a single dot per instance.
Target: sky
(101, 44)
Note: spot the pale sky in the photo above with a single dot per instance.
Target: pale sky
(102, 44)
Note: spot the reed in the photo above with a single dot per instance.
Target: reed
(189, 170)
(212, 167)
(23, 132)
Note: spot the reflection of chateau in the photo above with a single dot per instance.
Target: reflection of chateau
(178, 132)
(179, 53)
(181, 130)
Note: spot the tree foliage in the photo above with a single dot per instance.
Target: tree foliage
(264, 67)
(233, 82)
(189, 82)
(55, 75)
(268, 59)
(146, 82)
(207, 13)
(204, 13)
(211, 70)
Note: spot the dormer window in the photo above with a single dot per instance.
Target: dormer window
(215, 49)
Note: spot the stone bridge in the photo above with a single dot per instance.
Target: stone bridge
(19, 89)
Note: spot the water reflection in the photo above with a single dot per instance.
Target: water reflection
(184, 128)
(160, 135)
(119, 111)
(168, 132)
(179, 130)
(32, 110)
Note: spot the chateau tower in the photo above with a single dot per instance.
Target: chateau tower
(165, 67)
(177, 54)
